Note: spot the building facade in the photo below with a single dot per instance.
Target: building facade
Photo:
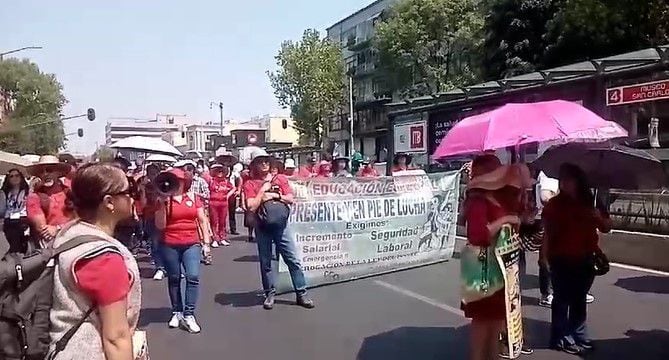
(198, 136)
(276, 132)
(118, 129)
(370, 121)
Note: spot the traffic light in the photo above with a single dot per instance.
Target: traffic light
(284, 123)
(90, 114)
(80, 132)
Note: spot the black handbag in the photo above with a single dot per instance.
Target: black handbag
(273, 214)
(600, 264)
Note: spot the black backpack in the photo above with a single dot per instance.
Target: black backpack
(26, 287)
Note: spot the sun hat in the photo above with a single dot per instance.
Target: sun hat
(258, 153)
(216, 166)
(289, 164)
(48, 161)
(515, 175)
(183, 163)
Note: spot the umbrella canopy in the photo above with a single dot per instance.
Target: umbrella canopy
(10, 161)
(161, 158)
(146, 144)
(607, 166)
(518, 124)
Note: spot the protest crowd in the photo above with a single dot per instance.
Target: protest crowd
(96, 218)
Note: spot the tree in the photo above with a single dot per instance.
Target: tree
(586, 29)
(103, 153)
(430, 46)
(30, 96)
(310, 82)
(514, 42)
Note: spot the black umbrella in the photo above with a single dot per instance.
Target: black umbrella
(608, 166)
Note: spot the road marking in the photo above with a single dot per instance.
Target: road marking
(639, 233)
(618, 265)
(420, 297)
(640, 269)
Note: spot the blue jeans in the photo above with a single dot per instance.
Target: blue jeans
(572, 280)
(285, 246)
(175, 258)
(154, 237)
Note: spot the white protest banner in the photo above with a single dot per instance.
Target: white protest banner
(346, 228)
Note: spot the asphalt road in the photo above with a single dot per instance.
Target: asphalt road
(412, 314)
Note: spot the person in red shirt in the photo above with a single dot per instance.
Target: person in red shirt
(47, 206)
(401, 162)
(184, 223)
(571, 223)
(308, 170)
(367, 169)
(106, 275)
(324, 169)
(220, 191)
(263, 187)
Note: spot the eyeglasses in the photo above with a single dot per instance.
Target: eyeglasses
(131, 191)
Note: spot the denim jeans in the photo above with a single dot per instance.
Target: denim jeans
(286, 248)
(154, 236)
(572, 280)
(175, 258)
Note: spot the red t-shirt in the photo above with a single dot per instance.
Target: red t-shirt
(182, 224)
(56, 214)
(572, 228)
(252, 187)
(479, 212)
(219, 187)
(306, 171)
(94, 276)
(368, 171)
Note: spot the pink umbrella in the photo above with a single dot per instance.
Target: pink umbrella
(511, 125)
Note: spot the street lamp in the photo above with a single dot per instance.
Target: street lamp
(220, 108)
(21, 49)
(351, 148)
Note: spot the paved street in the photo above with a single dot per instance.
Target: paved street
(406, 315)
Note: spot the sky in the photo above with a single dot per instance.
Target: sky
(130, 58)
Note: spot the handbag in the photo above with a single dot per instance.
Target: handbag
(531, 236)
(600, 263)
(273, 214)
(480, 273)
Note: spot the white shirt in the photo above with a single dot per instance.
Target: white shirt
(15, 204)
(545, 183)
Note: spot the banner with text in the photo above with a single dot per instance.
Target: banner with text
(345, 228)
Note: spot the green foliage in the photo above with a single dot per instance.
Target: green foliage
(430, 46)
(34, 97)
(514, 31)
(310, 82)
(526, 35)
(104, 154)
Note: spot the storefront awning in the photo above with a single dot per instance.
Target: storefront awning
(632, 61)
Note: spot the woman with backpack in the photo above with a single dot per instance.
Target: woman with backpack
(102, 197)
(48, 207)
(185, 228)
(13, 205)
(267, 199)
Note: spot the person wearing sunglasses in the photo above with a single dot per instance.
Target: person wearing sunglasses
(13, 205)
(48, 207)
(101, 198)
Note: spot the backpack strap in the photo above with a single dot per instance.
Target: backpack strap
(69, 245)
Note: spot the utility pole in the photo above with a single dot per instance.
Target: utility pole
(351, 148)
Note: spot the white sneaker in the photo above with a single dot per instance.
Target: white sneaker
(589, 299)
(159, 275)
(176, 319)
(190, 324)
(214, 244)
(225, 243)
(546, 301)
